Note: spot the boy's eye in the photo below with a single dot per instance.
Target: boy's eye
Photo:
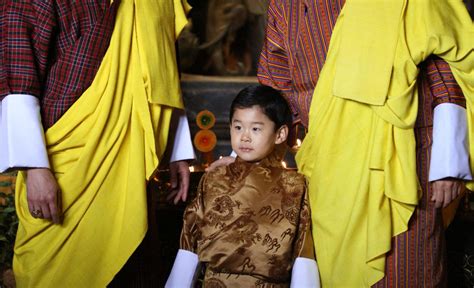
(237, 127)
(256, 129)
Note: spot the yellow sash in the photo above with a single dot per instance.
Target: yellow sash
(382, 19)
(102, 151)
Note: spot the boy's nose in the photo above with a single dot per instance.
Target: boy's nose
(245, 137)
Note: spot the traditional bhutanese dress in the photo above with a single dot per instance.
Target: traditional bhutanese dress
(292, 59)
(248, 223)
(109, 107)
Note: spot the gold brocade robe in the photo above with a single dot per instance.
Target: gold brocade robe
(248, 223)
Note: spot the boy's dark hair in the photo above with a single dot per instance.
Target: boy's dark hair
(268, 99)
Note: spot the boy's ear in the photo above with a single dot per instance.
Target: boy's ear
(282, 134)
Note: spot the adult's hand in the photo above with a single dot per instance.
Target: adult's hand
(221, 162)
(179, 177)
(444, 191)
(43, 194)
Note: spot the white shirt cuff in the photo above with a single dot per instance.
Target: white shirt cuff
(450, 150)
(22, 143)
(183, 145)
(305, 274)
(183, 271)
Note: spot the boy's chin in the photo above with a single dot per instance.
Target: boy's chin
(250, 158)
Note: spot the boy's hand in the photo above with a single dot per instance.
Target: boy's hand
(221, 162)
(179, 178)
(444, 191)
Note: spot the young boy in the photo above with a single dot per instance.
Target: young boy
(250, 223)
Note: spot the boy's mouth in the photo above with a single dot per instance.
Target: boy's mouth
(245, 149)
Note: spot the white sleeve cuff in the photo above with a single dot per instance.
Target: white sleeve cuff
(183, 271)
(22, 141)
(183, 145)
(450, 150)
(305, 274)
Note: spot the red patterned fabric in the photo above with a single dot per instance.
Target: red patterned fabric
(294, 52)
(441, 82)
(52, 49)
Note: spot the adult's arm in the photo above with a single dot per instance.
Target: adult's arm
(449, 36)
(182, 153)
(182, 150)
(26, 30)
(449, 164)
(26, 34)
(273, 68)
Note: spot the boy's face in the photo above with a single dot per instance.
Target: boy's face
(253, 135)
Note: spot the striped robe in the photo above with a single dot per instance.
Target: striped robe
(294, 52)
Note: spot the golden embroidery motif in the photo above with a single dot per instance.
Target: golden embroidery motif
(242, 231)
(271, 243)
(221, 210)
(275, 215)
(288, 232)
(247, 268)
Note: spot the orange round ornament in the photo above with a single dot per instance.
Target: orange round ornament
(205, 140)
(205, 119)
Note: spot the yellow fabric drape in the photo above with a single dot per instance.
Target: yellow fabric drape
(159, 54)
(360, 157)
(361, 46)
(102, 151)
